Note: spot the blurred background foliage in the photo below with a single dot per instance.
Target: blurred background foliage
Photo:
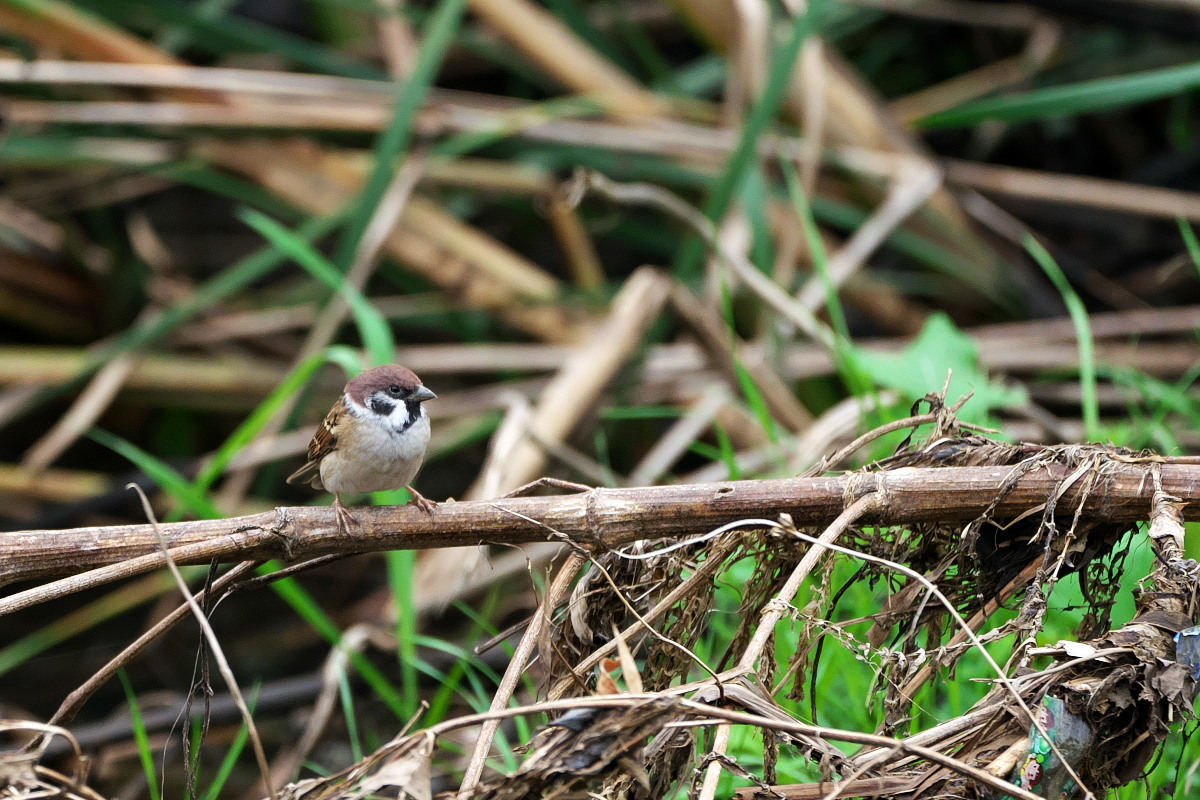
(213, 210)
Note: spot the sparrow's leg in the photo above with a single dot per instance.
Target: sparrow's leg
(421, 501)
(345, 521)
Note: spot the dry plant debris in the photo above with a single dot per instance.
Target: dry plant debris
(837, 203)
(1123, 688)
(1102, 703)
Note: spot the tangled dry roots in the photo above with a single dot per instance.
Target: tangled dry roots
(1126, 695)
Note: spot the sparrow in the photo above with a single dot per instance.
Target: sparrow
(373, 439)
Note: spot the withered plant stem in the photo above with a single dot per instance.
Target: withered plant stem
(516, 668)
(598, 520)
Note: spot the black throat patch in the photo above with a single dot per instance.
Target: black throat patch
(414, 413)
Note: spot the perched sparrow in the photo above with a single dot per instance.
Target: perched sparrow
(373, 439)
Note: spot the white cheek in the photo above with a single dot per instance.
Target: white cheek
(398, 416)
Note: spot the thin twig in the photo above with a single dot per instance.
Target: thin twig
(76, 699)
(647, 194)
(932, 589)
(707, 714)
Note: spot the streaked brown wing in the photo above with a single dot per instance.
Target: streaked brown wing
(323, 443)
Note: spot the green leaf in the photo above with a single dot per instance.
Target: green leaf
(921, 368)
(174, 484)
(142, 737)
(435, 40)
(1083, 334)
(372, 327)
(1076, 98)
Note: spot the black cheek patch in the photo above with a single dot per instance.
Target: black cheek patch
(382, 406)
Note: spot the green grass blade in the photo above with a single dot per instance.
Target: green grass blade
(746, 383)
(171, 482)
(212, 292)
(347, 700)
(231, 33)
(1083, 334)
(845, 353)
(1076, 98)
(232, 754)
(83, 619)
(372, 327)
(256, 422)
(142, 737)
(311, 612)
(728, 454)
(1189, 238)
(401, 573)
(177, 37)
(439, 33)
(745, 155)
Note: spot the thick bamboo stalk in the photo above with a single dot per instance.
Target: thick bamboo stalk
(598, 520)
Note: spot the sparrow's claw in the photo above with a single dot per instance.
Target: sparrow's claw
(421, 501)
(344, 520)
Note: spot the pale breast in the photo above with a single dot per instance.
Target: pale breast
(370, 458)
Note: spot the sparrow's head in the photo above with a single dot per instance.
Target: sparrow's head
(392, 392)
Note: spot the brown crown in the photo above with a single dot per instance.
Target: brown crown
(378, 379)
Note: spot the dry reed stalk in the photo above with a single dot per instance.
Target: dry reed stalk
(238, 382)
(93, 401)
(854, 116)
(53, 485)
(397, 39)
(910, 189)
(309, 116)
(561, 406)
(781, 606)
(600, 519)
(726, 352)
(577, 245)
(587, 371)
(469, 265)
(1110, 195)
(146, 74)
(534, 633)
(62, 28)
(177, 372)
(672, 445)
(1040, 48)
(574, 63)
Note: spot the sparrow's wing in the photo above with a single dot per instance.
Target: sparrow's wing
(323, 443)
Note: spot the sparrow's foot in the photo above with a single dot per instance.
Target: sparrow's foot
(345, 521)
(421, 501)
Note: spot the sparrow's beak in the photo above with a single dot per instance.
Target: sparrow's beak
(421, 394)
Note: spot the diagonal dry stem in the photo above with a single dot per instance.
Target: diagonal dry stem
(214, 644)
(516, 668)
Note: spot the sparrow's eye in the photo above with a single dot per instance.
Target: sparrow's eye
(394, 390)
